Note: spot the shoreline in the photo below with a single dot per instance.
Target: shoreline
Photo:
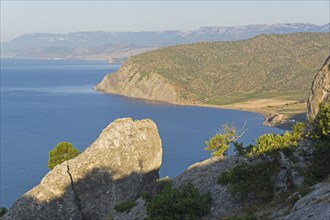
(284, 124)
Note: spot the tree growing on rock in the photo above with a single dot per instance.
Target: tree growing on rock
(62, 152)
(221, 141)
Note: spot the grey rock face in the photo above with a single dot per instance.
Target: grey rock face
(314, 206)
(320, 91)
(121, 163)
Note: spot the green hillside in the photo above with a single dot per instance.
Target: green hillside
(267, 66)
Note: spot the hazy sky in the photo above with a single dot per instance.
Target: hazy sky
(21, 17)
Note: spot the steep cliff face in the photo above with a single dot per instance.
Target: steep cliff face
(119, 165)
(130, 81)
(320, 91)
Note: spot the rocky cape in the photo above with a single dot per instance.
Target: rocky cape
(254, 75)
(121, 163)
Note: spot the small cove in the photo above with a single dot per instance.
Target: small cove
(46, 102)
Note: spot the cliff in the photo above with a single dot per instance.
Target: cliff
(121, 163)
(320, 90)
(131, 82)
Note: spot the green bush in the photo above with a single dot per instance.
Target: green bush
(62, 152)
(298, 131)
(272, 143)
(320, 164)
(250, 180)
(321, 124)
(3, 210)
(220, 142)
(125, 206)
(146, 196)
(179, 203)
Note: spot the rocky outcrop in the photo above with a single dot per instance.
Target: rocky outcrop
(313, 206)
(320, 91)
(204, 175)
(121, 163)
(130, 81)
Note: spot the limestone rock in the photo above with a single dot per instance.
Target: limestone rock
(320, 91)
(130, 82)
(313, 206)
(121, 163)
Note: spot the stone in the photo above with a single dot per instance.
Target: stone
(314, 206)
(121, 163)
(320, 90)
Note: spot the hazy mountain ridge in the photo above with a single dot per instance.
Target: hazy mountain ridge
(90, 44)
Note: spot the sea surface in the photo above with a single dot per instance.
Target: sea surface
(46, 102)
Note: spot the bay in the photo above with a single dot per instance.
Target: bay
(45, 102)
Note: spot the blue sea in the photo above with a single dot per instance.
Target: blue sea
(46, 102)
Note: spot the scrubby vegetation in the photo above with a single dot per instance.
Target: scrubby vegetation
(252, 181)
(320, 164)
(272, 143)
(3, 210)
(62, 152)
(256, 68)
(178, 203)
(125, 206)
(255, 179)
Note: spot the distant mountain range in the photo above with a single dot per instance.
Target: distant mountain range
(117, 46)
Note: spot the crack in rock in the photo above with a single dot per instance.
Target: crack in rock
(76, 197)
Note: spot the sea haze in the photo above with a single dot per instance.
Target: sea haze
(46, 102)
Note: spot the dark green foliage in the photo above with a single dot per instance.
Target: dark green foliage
(321, 124)
(241, 150)
(245, 217)
(250, 180)
(320, 165)
(179, 203)
(3, 210)
(146, 196)
(125, 206)
(62, 152)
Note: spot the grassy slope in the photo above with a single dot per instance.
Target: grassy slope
(222, 73)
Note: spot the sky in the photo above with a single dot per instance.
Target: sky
(24, 17)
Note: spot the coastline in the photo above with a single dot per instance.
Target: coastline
(270, 116)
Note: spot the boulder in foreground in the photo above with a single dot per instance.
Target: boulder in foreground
(121, 163)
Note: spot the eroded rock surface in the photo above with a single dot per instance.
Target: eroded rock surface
(121, 163)
(314, 206)
(131, 82)
(320, 91)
